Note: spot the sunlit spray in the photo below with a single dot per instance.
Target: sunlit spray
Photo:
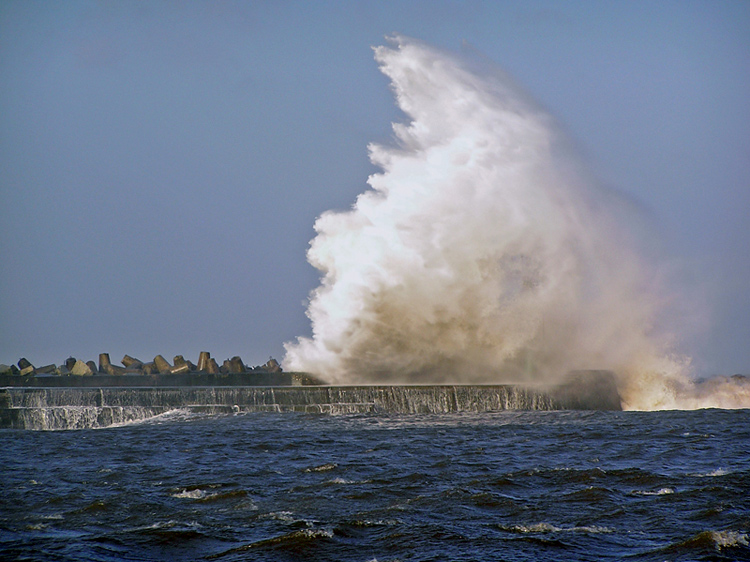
(483, 251)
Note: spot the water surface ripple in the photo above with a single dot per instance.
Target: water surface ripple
(511, 486)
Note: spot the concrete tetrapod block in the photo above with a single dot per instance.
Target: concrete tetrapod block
(213, 367)
(128, 361)
(26, 368)
(203, 360)
(46, 369)
(24, 363)
(105, 366)
(180, 369)
(69, 362)
(161, 364)
(92, 366)
(81, 369)
(236, 365)
(149, 369)
(272, 366)
(136, 367)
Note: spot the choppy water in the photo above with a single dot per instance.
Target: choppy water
(494, 486)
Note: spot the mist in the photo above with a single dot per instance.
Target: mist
(484, 251)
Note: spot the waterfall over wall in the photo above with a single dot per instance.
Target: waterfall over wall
(79, 408)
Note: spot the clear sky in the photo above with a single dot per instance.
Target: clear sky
(162, 163)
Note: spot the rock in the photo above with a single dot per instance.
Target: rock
(203, 360)
(161, 364)
(69, 362)
(46, 370)
(81, 369)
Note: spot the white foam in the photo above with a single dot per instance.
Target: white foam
(660, 492)
(725, 539)
(190, 494)
(549, 528)
(486, 252)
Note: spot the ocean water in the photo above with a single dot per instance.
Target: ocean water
(513, 486)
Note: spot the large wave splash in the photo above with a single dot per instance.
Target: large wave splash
(483, 252)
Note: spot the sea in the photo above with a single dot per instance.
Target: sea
(505, 486)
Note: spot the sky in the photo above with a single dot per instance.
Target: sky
(162, 163)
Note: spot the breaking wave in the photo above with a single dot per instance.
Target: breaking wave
(484, 251)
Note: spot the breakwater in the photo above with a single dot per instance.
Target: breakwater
(45, 408)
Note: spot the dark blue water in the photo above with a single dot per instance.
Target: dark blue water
(503, 486)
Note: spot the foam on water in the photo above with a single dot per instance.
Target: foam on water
(485, 252)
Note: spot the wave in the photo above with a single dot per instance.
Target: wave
(485, 251)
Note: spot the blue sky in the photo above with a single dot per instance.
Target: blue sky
(162, 163)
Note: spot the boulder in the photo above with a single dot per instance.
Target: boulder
(81, 369)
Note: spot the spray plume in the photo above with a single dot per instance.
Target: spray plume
(483, 252)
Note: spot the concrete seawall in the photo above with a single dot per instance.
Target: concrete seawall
(88, 407)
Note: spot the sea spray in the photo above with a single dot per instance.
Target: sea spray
(483, 252)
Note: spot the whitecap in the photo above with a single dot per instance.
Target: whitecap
(660, 492)
(196, 494)
(725, 539)
(549, 528)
